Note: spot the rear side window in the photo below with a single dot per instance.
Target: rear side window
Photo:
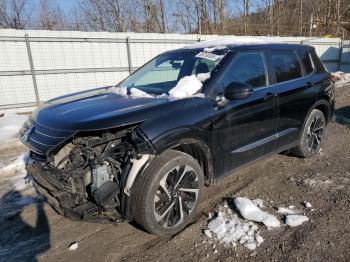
(286, 65)
(305, 58)
(246, 67)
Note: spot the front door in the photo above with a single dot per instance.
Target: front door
(246, 129)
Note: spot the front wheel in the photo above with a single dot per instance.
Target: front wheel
(167, 195)
(312, 136)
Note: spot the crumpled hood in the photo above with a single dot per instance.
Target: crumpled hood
(99, 109)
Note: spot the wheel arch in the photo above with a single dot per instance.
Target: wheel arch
(192, 142)
(324, 106)
(200, 152)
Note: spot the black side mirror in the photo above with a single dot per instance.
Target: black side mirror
(237, 90)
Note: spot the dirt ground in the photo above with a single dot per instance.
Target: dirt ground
(30, 230)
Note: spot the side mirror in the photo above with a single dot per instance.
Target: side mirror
(237, 90)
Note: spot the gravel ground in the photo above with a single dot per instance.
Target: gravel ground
(31, 230)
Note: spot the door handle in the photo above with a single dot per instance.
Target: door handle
(269, 96)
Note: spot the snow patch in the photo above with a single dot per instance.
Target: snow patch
(134, 92)
(251, 212)
(73, 246)
(215, 48)
(17, 170)
(343, 79)
(231, 230)
(226, 41)
(121, 90)
(186, 87)
(207, 233)
(10, 124)
(258, 202)
(203, 76)
(307, 204)
(285, 210)
(17, 166)
(296, 220)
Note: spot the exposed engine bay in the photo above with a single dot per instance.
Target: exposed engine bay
(85, 178)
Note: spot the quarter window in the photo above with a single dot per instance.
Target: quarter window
(248, 68)
(305, 57)
(286, 65)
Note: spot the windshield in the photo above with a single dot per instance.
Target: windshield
(164, 72)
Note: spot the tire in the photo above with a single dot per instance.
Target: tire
(312, 136)
(163, 203)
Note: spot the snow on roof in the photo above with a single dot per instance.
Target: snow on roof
(226, 41)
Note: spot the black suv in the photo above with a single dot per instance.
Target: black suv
(144, 149)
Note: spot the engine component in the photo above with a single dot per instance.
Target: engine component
(100, 175)
(106, 194)
(85, 177)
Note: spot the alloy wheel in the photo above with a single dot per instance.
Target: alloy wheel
(176, 196)
(315, 134)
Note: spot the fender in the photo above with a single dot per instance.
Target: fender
(195, 137)
(178, 136)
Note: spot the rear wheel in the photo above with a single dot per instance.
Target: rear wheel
(167, 195)
(312, 136)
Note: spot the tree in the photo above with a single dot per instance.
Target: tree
(14, 14)
(51, 16)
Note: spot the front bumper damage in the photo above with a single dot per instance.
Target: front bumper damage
(90, 178)
(69, 199)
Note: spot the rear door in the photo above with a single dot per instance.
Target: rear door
(295, 91)
(246, 129)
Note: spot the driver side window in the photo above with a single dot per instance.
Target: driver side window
(246, 67)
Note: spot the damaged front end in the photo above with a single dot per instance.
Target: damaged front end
(90, 176)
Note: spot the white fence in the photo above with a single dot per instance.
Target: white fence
(38, 65)
(345, 57)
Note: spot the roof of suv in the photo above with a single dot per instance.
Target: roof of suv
(242, 43)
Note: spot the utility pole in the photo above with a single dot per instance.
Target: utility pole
(301, 17)
(162, 15)
(246, 11)
(311, 24)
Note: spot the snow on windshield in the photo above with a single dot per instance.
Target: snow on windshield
(187, 86)
(135, 92)
(203, 76)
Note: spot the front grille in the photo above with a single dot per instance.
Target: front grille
(41, 139)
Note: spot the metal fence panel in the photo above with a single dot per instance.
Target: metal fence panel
(345, 57)
(66, 62)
